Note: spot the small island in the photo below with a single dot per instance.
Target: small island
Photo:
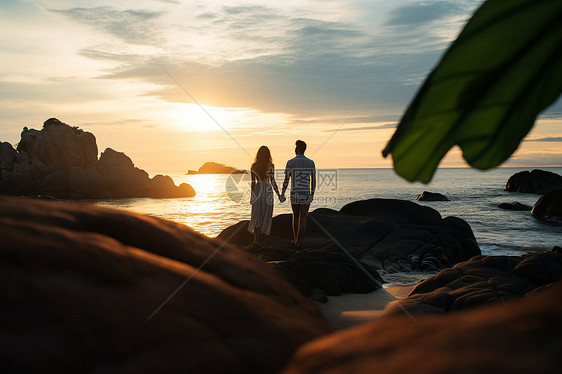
(216, 168)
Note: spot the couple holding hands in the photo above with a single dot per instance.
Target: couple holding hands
(301, 172)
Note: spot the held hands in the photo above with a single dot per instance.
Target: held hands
(282, 198)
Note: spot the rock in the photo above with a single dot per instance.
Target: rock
(96, 290)
(537, 181)
(331, 272)
(216, 168)
(121, 177)
(162, 186)
(480, 281)
(432, 196)
(549, 206)
(190, 172)
(519, 336)
(8, 156)
(515, 206)
(59, 146)
(61, 161)
(380, 235)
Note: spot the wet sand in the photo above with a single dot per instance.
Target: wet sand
(350, 310)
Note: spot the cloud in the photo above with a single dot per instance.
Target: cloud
(246, 10)
(533, 159)
(275, 61)
(308, 87)
(207, 16)
(422, 13)
(546, 139)
(296, 65)
(131, 26)
(361, 128)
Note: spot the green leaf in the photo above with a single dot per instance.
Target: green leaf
(487, 91)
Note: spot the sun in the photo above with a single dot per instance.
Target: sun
(199, 118)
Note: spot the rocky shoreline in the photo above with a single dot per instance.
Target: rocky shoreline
(379, 236)
(62, 162)
(91, 289)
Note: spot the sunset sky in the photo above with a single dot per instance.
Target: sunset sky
(337, 74)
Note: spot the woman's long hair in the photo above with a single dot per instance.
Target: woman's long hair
(263, 159)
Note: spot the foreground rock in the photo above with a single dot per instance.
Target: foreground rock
(432, 196)
(216, 168)
(94, 290)
(549, 206)
(345, 250)
(520, 336)
(536, 181)
(480, 281)
(62, 161)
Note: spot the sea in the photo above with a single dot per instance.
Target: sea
(223, 200)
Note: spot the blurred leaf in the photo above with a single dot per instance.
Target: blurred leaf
(485, 94)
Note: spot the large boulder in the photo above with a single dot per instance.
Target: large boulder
(549, 206)
(59, 146)
(61, 161)
(163, 186)
(95, 290)
(8, 156)
(515, 206)
(345, 250)
(519, 336)
(536, 181)
(121, 176)
(482, 280)
(432, 196)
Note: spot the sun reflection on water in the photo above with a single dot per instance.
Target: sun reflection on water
(209, 212)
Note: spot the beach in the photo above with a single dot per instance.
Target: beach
(351, 310)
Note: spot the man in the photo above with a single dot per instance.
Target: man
(302, 173)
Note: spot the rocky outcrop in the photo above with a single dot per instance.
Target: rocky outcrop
(432, 196)
(519, 336)
(536, 181)
(480, 281)
(95, 290)
(515, 206)
(216, 168)
(549, 206)
(345, 250)
(61, 161)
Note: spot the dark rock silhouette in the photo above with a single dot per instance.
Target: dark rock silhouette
(432, 196)
(482, 280)
(549, 206)
(515, 206)
(216, 168)
(61, 161)
(381, 235)
(519, 336)
(536, 181)
(80, 284)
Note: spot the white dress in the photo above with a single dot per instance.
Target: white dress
(262, 207)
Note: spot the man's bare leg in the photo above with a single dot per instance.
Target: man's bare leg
(296, 218)
(303, 213)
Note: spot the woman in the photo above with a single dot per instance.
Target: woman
(263, 178)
